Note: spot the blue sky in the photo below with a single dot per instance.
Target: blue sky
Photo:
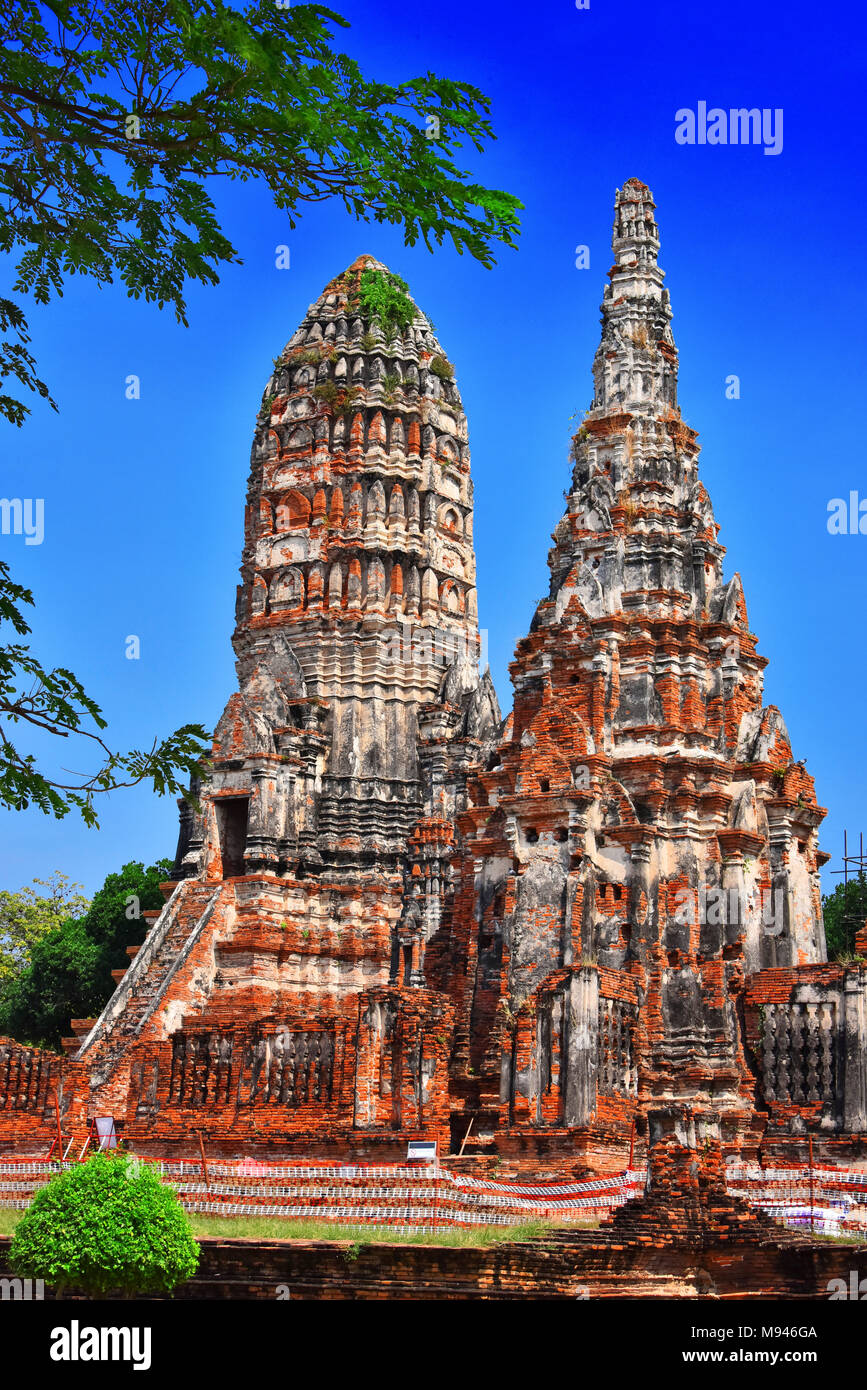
(764, 259)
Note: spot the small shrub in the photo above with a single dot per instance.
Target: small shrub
(107, 1224)
(441, 367)
(326, 392)
(337, 400)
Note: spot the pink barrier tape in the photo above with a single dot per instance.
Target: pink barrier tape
(830, 1201)
(364, 1194)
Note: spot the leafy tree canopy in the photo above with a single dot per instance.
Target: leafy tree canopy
(113, 119)
(106, 1225)
(28, 916)
(60, 983)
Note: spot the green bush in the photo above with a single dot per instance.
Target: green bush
(104, 1225)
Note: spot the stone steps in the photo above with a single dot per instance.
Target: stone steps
(196, 899)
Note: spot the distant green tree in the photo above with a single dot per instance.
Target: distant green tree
(845, 912)
(59, 984)
(114, 919)
(27, 916)
(106, 1225)
(69, 972)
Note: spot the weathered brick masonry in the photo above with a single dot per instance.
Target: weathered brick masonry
(559, 938)
(578, 1264)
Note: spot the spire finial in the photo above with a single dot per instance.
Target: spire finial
(636, 365)
(635, 229)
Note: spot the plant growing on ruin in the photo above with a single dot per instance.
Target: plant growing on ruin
(106, 1225)
(442, 368)
(327, 393)
(336, 400)
(384, 298)
(390, 384)
(575, 445)
(368, 342)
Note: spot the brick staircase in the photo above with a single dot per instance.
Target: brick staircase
(170, 938)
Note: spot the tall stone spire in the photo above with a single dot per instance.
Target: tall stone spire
(640, 530)
(640, 777)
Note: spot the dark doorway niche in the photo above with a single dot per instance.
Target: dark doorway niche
(232, 831)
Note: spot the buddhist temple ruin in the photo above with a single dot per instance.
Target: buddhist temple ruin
(572, 933)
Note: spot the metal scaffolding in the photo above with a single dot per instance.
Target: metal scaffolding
(852, 921)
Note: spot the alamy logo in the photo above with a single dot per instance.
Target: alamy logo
(855, 1290)
(22, 1290)
(737, 126)
(77, 1343)
(847, 518)
(718, 907)
(434, 646)
(23, 515)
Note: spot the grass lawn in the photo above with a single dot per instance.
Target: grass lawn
(276, 1228)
